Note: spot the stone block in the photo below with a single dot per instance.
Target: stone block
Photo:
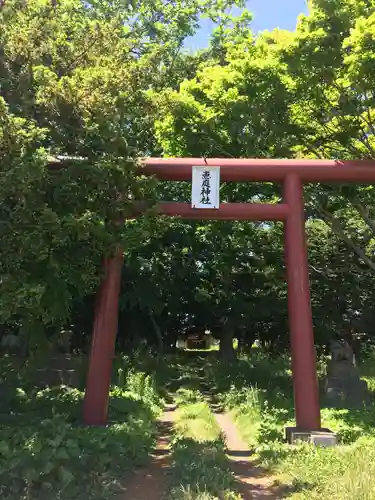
(293, 435)
(323, 437)
(326, 439)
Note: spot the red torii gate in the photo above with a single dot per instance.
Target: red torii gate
(292, 174)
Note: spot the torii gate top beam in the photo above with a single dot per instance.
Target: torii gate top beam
(266, 170)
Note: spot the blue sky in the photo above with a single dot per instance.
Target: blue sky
(267, 14)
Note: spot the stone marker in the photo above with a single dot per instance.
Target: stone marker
(343, 386)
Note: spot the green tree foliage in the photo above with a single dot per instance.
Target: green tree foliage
(107, 83)
(282, 94)
(74, 77)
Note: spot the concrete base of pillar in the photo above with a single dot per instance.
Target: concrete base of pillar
(323, 437)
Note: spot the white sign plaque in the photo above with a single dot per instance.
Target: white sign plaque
(205, 187)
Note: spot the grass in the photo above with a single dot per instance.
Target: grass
(200, 469)
(258, 392)
(46, 453)
(345, 473)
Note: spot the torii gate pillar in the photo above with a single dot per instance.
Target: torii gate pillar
(305, 382)
(95, 405)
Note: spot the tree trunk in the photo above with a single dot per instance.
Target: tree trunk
(245, 342)
(355, 343)
(227, 352)
(158, 333)
(171, 340)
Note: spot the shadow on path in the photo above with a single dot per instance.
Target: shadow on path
(151, 481)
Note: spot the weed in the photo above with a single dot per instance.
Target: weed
(200, 469)
(46, 453)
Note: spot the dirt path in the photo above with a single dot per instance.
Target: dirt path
(252, 482)
(151, 482)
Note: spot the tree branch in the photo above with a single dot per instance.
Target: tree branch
(364, 213)
(338, 230)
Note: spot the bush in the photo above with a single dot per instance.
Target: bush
(46, 453)
(59, 460)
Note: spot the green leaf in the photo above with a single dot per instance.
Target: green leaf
(4, 448)
(65, 476)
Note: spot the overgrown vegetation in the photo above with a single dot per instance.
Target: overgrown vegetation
(45, 452)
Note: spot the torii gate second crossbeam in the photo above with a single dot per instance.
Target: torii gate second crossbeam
(292, 174)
